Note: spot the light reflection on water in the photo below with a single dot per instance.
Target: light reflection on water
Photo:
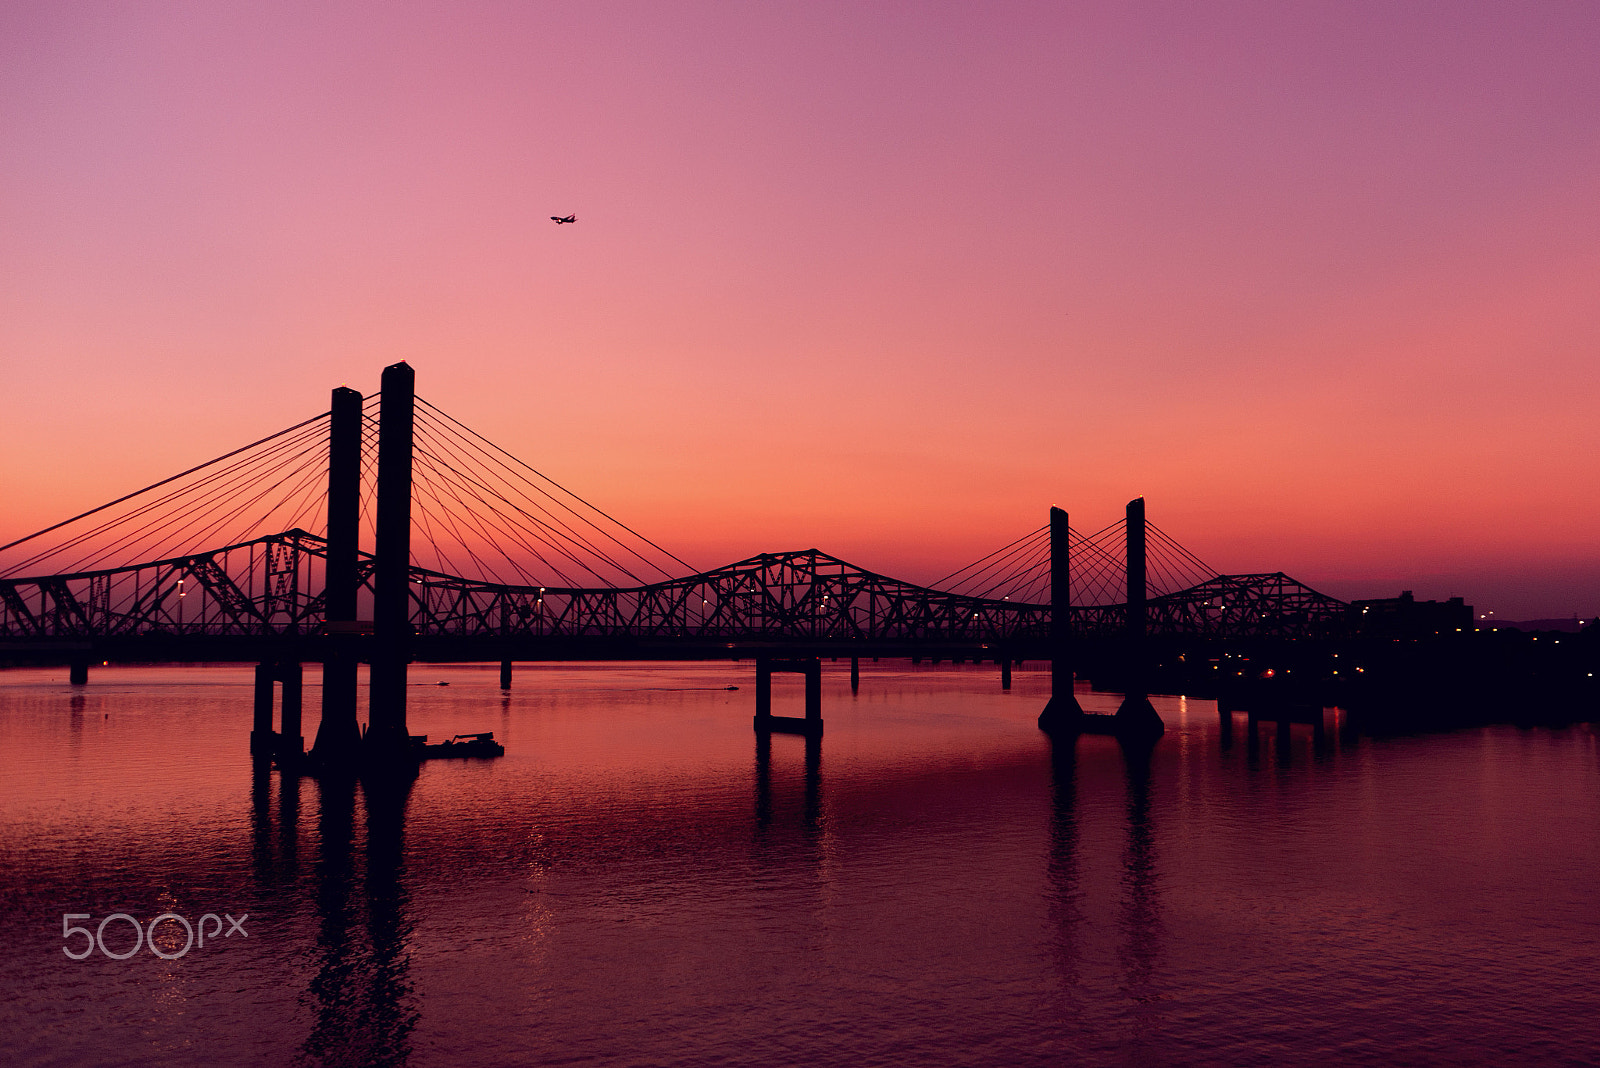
(641, 881)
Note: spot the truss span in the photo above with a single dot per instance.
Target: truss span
(271, 587)
(804, 597)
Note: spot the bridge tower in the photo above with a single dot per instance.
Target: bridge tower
(1062, 713)
(338, 736)
(1136, 718)
(388, 741)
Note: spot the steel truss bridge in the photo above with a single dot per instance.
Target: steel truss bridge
(267, 591)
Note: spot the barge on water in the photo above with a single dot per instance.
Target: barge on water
(462, 745)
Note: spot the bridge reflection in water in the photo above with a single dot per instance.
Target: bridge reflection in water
(638, 879)
(365, 1006)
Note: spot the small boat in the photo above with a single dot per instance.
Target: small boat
(462, 745)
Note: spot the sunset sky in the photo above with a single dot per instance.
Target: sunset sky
(1321, 281)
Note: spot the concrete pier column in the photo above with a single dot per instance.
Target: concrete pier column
(291, 743)
(1136, 717)
(855, 674)
(505, 639)
(388, 739)
(338, 736)
(814, 693)
(1005, 673)
(261, 740)
(338, 741)
(811, 723)
(78, 672)
(763, 694)
(1062, 713)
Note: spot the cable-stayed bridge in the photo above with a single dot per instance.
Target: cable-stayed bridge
(262, 554)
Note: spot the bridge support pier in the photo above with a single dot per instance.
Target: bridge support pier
(765, 721)
(505, 674)
(1005, 673)
(291, 743)
(1283, 716)
(855, 674)
(1137, 718)
(1062, 714)
(288, 745)
(338, 742)
(262, 742)
(338, 734)
(78, 672)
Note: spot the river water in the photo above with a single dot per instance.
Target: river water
(638, 881)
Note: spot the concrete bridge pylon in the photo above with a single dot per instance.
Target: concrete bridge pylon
(388, 741)
(338, 735)
(1136, 718)
(1062, 713)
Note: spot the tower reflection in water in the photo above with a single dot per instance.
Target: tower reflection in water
(1066, 899)
(1137, 919)
(1140, 909)
(361, 999)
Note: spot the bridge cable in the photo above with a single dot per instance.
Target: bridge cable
(221, 483)
(1031, 534)
(1003, 569)
(423, 519)
(143, 509)
(448, 515)
(165, 481)
(309, 472)
(477, 487)
(473, 485)
(1183, 553)
(569, 535)
(552, 539)
(560, 487)
(1023, 563)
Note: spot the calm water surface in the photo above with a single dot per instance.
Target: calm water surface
(639, 882)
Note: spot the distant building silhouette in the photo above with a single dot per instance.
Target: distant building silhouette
(1406, 617)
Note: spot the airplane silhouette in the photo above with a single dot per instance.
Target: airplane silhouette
(559, 219)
